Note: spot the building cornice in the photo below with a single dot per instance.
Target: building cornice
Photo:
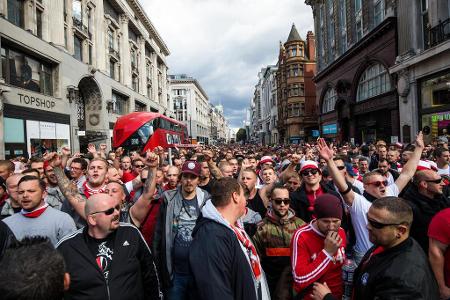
(190, 81)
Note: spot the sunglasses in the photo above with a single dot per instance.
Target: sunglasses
(278, 201)
(107, 212)
(340, 168)
(379, 225)
(379, 183)
(139, 166)
(437, 181)
(310, 172)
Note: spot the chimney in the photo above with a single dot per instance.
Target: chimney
(311, 45)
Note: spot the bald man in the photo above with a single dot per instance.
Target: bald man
(106, 240)
(426, 199)
(12, 204)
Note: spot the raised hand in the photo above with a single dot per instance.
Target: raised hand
(56, 160)
(151, 160)
(209, 155)
(419, 140)
(48, 156)
(65, 151)
(295, 159)
(324, 151)
(119, 152)
(246, 164)
(91, 148)
(103, 147)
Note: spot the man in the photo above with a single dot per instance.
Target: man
(384, 168)
(173, 177)
(125, 165)
(38, 164)
(302, 200)
(392, 157)
(7, 168)
(375, 186)
(12, 204)
(396, 267)
(317, 249)
(206, 181)
(363, 167)
(226, 169)
(222, 258)
(33, 269)
(425, 196)
(36, 217)
(357, 186)
(268, 176)
(137, 166)
(381, 153)
(78, 168)
(234, 166)
(442, 156)
(439, 253)
(108, 259)
(55, 197)
(273, 238)
(178, 213)
(293, 182)
(255, 202)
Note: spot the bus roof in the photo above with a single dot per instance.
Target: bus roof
(128, 124)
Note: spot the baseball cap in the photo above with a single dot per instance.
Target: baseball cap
(192, 167)
(266, 159)
(308, 164)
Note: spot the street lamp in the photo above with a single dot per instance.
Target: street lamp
(190, 127)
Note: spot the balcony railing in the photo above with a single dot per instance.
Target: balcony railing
(114, 52)
(439, 33)
(78, 24)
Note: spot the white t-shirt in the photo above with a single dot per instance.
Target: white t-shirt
(358, 212)
(445, 171)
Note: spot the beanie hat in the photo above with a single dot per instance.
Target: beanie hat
(328, 206)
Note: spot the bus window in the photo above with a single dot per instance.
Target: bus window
(145, 132)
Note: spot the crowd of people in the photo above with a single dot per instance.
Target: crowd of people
(308, 221)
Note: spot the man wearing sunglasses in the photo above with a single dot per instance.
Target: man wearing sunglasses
(108, 259)
(273, 238)
(426, 198)
(375, 186)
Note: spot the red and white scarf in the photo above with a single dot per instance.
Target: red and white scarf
(34, 213)
(88, 192)
(252, 254)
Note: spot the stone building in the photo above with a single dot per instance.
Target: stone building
(191, 106)
(296, 94)
(70, 68)
(356, 46)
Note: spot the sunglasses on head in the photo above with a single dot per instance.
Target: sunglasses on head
(278, 201)
(107, 212)
(309, 172)
(340, 168)
(437, 181)
(379, 225)
(379, 183)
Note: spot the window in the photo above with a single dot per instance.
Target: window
(294, 110)
(110, 40)
(90, 52)
(343, 25)
(112, 72)
(435, 91)
(15, 12)
(135, 83)
(119, 104)
(424, 12)
(138, 106)
(358, 19)
(329, 101)
(294, 51)
(133, 57)
(77, 12)
(330, 31)
(26, 72)
(78, 48)
(374, 81)
(378, 12)
(39, 23)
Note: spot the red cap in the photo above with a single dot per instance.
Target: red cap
(192, 167)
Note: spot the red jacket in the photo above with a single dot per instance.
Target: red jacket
(311, 263)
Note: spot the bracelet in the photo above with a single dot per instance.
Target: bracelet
(349, 188)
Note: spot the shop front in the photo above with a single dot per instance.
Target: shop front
(435, 106)
(329, 131)
(34, 123)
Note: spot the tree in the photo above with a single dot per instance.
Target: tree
(241, 135)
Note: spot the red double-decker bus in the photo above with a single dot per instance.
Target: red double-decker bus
(146, 130)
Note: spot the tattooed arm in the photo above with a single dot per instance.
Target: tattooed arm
(68, 188)
(215, 171)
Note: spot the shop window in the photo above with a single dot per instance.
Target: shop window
(329, 101)
(15, 12)
(13, 130)
(435, 92)
(26, 72)
(374, 81)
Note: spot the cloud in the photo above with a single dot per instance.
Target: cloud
(225, 43)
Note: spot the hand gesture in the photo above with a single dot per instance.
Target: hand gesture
(320, 290)
(48, 156)
(55, 160)
(419, 140)
(324, 151)
(151, 160)
(103, 147)
(295, 159)
(91, 149)
(209, 155)
(65, 151)
(77, 155)
(332, 242)
(119, 152)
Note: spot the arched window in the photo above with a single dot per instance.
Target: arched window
(374, 81)
(329, 101)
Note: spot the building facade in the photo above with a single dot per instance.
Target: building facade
(269, 105)
(296, 93)
(191, 106)
(218, 125)
(356, 46)
(70, 68)
(422, 68)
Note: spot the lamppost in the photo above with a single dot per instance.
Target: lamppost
(190, 128)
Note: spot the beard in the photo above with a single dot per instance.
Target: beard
(277, 213)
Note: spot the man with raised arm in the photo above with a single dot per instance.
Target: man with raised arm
(375, 187)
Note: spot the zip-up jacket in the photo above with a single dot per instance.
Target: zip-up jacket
(163, 238)
(132, 273)
(272, 241)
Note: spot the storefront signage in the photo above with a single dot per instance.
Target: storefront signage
(441, 117)
(329, 129)
(315, 133)
(29, 99)
(36, 101)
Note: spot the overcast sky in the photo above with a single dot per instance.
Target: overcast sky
(225, 43)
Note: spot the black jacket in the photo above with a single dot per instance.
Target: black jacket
(6, 238)
(424, 210)
(132, 276)
(218, 265)
(402, 272)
